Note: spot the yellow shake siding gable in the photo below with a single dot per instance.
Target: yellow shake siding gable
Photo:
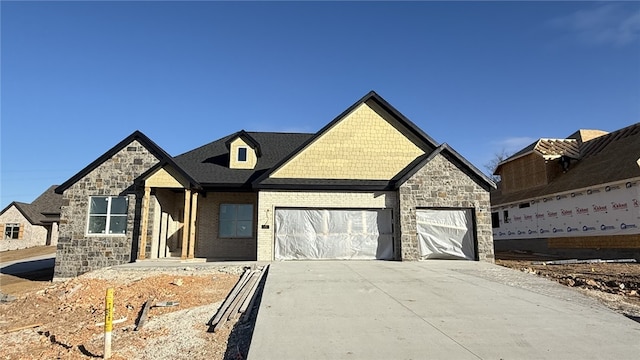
(361, 146)
(252, 158)
(163, 179)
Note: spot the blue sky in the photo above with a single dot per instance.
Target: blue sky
(78, 77)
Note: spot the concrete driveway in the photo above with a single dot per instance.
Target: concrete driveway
(34, 263)
(431, 310)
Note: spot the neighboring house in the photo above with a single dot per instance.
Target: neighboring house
(27, 225)
(369, 185)
(576, 196)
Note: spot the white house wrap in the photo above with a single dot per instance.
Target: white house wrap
(594, 213)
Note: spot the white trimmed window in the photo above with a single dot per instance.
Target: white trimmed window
(236, 221)
(107, 215)
(12, 232)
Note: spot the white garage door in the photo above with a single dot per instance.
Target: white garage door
(333, 234)
(445, 234)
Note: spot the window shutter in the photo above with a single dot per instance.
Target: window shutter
(21, 232)
(3, 236)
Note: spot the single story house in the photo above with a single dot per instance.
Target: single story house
(28, 225)
(574, 197)
(369, 185)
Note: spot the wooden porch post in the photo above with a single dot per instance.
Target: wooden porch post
(192, 226)
(145, 223)
(186, 222)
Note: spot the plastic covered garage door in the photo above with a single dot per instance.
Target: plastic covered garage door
(445, 234)
(333, 234)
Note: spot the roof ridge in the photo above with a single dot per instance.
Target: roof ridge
(279, 132)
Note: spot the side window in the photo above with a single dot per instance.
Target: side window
(107, 215)
(506, 216)
(12, 232)
(495, 220)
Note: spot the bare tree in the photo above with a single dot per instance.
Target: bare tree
(491, 166)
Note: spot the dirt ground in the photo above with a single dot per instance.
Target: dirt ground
(617, 285)
(60, 319)
(35, 280)
(26, 253)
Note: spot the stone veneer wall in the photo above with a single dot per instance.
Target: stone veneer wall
(441, 184)
(77, 252)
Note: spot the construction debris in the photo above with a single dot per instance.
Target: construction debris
(143, 315)
(619, 277)
(68, 328)
(121, 320)
(5, 298)
(576, 261)
(166, 304)
(240, 300)
(24, 327)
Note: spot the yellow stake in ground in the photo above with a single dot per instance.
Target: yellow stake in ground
(108, 322)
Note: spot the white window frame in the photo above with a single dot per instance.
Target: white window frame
(15, 229)
(235, 221)
(246, 154)
(108, 216)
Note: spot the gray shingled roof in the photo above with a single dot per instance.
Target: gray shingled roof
(209, 164)
(605, 159)
(44, 209)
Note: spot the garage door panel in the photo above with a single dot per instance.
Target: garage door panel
(333, 234)
(445, 234)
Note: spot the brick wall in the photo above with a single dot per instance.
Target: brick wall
(269, 200)
(77, 252)
(208, 243)
(441, 184)
(363, 145)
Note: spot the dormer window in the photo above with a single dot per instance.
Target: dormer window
(244, 151)
(242, 154)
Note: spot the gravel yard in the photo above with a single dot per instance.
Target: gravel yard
(64, 316)
(616, 285)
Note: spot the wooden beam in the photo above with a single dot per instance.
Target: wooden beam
(24, 327)
(185, 223)
(192, 226)
(225, 305)
(142, 243)
(143, 316)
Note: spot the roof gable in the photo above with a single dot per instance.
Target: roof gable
(453, 156)
(26, 210)
(370, 141)
(604, 159)
(152, 147)
(548, 149)
(248, 139)
(45, 208)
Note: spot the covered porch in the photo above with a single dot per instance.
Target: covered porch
(183, 222)
(168, 216)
